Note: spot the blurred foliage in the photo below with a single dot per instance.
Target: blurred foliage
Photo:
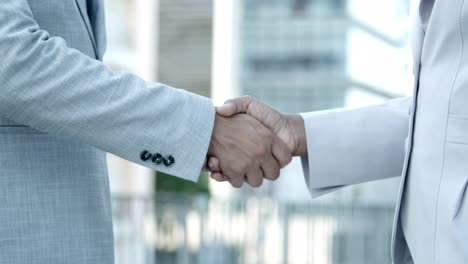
(169, 183)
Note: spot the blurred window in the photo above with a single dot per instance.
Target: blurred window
(293, 63)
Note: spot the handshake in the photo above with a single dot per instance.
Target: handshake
(252, 142)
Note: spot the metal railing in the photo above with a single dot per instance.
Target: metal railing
(172, 228)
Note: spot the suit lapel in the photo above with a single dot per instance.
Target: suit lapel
(417, 41)
(417, 38)
(97, 20)
(84, 15)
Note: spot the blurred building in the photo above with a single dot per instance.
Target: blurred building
(293, 53)
(185, 44)
(306, 55)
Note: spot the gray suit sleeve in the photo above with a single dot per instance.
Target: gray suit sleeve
(348, 147)
(53, 88)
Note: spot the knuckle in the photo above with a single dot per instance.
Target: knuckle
(260, 150)
(238, 170)
(237, 185)
(285, 161)
(257, 184)
(272, 177)
(276, 175)
(266, 134)
(247, 98)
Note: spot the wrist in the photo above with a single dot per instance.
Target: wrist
(297, 127)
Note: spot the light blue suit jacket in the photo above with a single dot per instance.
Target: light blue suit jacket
(424, 139)
(61, 109)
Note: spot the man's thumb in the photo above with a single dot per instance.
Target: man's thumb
(227, 110)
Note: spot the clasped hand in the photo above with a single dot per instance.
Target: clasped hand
(252, 142)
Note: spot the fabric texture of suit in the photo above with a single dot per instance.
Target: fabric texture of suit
(423, 139)
(61, 109)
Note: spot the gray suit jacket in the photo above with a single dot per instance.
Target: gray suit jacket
(424, 139)
(60, 109)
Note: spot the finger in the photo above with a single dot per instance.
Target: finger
(213, 164)
(234, 106)
(267, 115)
(255, 178)
(235, 179)
(227, 110)
(236, 182)
(219, 177)
(271, 169)
(281, 152)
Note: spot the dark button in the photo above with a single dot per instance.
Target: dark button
(145, 155)
(169, 161)
(157, 158)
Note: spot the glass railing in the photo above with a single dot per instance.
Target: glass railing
(173, 228)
